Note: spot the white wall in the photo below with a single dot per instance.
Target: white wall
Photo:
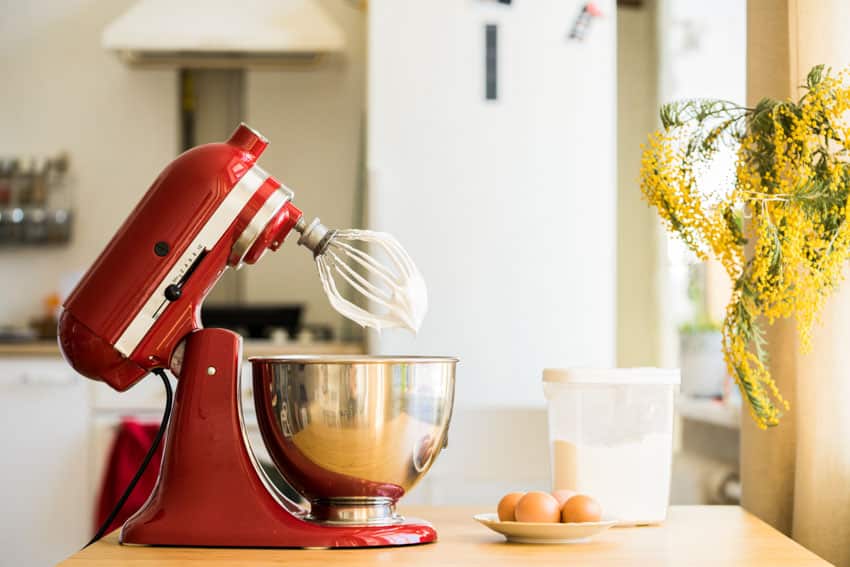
(61, 91)
(508, 207)
(314, 120)
(638, 309)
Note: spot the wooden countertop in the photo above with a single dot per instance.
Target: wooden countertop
(251, 348)
(693, 536)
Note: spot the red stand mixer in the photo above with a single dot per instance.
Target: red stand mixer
(351, 435)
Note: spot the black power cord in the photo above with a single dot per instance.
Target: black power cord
(162, 426)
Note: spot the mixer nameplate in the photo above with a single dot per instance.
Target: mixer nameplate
(212, 231)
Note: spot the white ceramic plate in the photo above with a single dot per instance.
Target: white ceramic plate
(532, 532)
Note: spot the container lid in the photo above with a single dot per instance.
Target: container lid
(644, 375)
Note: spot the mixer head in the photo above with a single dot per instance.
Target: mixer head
(211, 209)
(386, 288)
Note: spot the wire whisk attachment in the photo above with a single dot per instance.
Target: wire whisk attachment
(367, 276)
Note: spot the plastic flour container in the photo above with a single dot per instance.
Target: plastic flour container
(611, 437)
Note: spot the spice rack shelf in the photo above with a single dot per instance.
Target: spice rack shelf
(34, 226)
(35, 200)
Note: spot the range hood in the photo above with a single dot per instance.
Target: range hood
(223, 33)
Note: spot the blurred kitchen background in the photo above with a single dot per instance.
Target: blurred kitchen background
(497, 139)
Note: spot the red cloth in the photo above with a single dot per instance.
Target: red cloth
(131, 443)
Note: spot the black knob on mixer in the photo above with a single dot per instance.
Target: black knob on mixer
(173, 292)
(161, 248)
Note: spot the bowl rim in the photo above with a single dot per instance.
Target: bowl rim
(351, 359)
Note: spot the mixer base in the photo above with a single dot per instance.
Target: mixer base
(355, 511)
(209, 492)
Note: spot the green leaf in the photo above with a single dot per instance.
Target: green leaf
(816, 75)
(670, 115)
(735, 223)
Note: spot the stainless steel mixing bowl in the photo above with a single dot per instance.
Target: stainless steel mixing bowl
(353, 434)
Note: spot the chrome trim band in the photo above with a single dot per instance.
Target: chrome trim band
(257, 224)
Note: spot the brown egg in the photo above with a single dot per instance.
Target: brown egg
(507, 505)
(563, 494)
(581, 508)
(537, 507)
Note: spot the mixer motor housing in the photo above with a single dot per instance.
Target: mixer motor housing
(211, 208)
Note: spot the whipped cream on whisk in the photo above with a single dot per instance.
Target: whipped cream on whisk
(384, 286)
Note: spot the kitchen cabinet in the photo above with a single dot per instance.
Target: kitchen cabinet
(45, 485)
(490, 452)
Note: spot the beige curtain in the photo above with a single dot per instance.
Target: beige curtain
(797, 476)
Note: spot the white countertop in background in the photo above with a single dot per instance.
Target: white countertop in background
(251, 348)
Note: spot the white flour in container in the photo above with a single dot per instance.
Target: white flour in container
(631, 481)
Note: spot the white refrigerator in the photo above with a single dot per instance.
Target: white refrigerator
(491, 156)
(508, 204)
